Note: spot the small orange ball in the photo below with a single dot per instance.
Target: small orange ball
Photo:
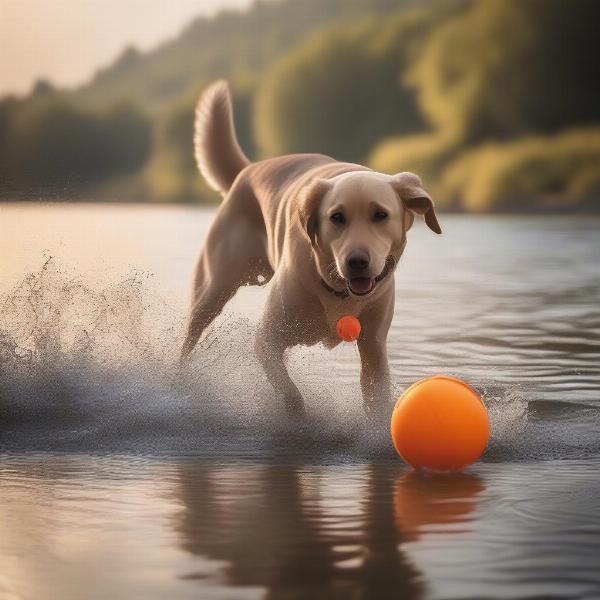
(440, 423)
(348, 328)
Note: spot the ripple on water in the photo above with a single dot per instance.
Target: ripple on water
(201, 487)
(500, 530)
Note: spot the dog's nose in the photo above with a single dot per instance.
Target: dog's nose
(358, 260)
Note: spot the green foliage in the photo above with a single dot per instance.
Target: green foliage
(424, 154)
(232, 45)
(527, 174)
(511, 67)
(340, 91)
(506, 70)
(495, 103)
(49, 145)
(172, 173)
(533, 173)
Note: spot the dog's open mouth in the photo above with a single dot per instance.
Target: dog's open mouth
(361, 286)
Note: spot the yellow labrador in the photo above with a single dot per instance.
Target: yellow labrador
(326, 234)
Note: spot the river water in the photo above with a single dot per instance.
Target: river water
(121, 476)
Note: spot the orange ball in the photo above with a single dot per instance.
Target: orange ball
(348, 328)
(440, 423)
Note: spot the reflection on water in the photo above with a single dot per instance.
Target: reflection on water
(425, 501)
(299, 532)
(121, 476)
(183, 528)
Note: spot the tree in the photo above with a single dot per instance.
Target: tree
(341, 90)
(52, 146)
(509, 67)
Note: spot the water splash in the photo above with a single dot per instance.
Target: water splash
(94, 369)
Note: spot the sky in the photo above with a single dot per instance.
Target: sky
(65, 41)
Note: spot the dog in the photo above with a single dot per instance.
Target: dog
(327, 235)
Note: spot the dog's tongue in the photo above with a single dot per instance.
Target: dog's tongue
(361, 285)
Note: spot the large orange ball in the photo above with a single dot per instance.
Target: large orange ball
(348, 328)
(440, 423)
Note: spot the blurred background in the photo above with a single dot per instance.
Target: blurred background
(495, 103)
(123, 475)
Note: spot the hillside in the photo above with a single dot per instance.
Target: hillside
(233, 44)
(495, 103)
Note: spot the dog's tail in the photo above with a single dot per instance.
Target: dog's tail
(218, 153)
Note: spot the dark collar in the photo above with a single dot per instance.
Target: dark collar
(343, 294)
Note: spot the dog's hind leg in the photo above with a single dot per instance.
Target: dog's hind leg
(233, 255)
(207, 305)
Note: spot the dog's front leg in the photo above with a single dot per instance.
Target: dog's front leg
(270, 353)
(278, 331)
(372, 346)
(374, 375)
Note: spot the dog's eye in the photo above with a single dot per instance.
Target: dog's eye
(337, 218)
(380, 215)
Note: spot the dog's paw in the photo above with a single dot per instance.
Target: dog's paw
(294, 407)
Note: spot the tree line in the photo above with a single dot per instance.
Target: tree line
(495, 103)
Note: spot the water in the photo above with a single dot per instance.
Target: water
(122, 477)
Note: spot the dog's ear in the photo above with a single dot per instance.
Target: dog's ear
(309, 202)
(410, 189)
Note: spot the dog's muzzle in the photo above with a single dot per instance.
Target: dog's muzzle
(363, 286)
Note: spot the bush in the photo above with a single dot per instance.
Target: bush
(535, 173)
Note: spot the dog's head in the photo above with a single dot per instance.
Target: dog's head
(357, 224)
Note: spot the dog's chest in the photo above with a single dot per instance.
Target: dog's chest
(315, 324)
